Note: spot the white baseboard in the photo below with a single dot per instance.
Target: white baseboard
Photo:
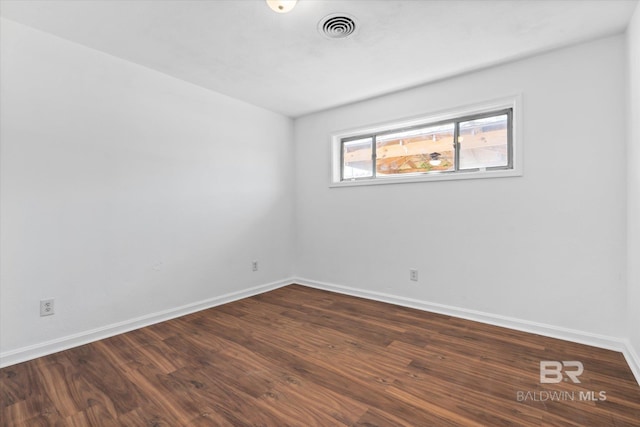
(42, 349)
(633, 359)
(610, 343)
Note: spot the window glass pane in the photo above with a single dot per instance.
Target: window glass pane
(428, 149)
(356, 159)
(484, 142)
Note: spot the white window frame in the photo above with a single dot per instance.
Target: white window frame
(512, 102)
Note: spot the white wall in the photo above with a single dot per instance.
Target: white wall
(633, 184)
(126, 192)
(547, 247)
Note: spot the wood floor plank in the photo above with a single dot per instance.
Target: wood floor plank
(16, 384)
(299, 356)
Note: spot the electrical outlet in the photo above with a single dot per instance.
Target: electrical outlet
(254, 265)
(413, 274)
(46, 307)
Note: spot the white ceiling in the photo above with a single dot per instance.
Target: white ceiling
(280, 61)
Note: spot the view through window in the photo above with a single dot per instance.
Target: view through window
(484, 142)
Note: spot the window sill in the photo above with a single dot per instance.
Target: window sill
(429, 178)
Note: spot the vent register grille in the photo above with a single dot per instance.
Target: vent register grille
(337, 26)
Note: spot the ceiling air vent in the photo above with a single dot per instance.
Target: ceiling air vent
(337, 26)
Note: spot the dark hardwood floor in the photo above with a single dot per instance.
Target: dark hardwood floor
(303, 357)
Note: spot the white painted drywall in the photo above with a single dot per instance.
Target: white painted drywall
(546, 247)
(127, 192)
(633, 182)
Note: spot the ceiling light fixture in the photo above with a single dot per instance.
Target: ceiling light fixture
(281, 6)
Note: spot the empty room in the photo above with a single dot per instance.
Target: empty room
(319, 213)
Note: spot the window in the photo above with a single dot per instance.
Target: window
(476, 144)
